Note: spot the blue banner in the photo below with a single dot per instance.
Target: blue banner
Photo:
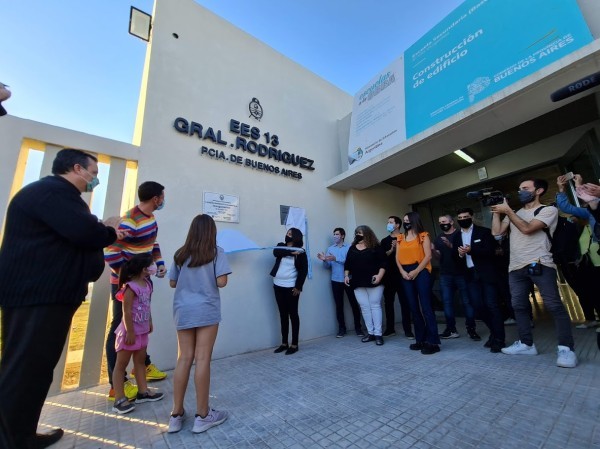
(482, 47)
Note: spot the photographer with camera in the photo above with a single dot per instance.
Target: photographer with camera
(531, 259)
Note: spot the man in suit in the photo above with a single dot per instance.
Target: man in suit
(476, 249)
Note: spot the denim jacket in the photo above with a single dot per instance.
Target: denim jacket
(563, 204)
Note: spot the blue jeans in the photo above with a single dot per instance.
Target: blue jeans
(546, 283)
(418, 293)
(484, 300)
(449, 283)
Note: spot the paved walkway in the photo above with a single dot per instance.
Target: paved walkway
(341, 393)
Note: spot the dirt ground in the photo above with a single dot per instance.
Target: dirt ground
(76, 343)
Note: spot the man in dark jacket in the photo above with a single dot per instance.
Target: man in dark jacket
(476, 249)
(52, 249)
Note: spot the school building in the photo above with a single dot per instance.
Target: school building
(235, 129)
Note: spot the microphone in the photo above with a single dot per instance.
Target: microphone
(475, 195)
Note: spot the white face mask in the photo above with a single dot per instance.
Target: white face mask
(152, 269)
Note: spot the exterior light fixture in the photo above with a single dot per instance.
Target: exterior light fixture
(465, 156)
(140, 24)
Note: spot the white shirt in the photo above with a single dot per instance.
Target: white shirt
(466, 239)
(286, 274)
(528, 248)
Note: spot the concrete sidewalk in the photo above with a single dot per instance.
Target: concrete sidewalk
(341, 393)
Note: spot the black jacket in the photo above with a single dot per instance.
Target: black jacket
(300, 262)
(52, 246)
(483, 251)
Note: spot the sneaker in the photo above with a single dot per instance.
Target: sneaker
(518, 348)
(175, 423)
(281, 348)
(409, 336)
(360, 333)
(152, 373)
(214, 418)
(449, 334)
(149, 397)
(130, 391)
(340, 334)
(416, 346)
(123, 406)
(566, 358)
(510, 321)
(474, 335)
(429, 349)
(587, 325)
(389, 333)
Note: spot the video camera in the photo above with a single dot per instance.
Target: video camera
(488, 197)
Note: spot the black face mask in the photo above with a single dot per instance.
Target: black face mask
(466, 223)
(407, 226)
(445, 226)
(359, 238)
(288, 239)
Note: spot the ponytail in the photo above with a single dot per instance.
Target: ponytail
(133, 267)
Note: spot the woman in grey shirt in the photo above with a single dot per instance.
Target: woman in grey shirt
(199, 269)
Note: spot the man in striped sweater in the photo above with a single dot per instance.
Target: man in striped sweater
(140, 228)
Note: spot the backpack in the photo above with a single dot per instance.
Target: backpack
(564, 241)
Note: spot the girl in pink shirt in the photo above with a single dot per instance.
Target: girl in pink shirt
(132, 333)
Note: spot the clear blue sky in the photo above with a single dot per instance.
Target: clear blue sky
(73, 64)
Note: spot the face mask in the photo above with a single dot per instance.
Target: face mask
(152, 269)
(161, 205)
(288, 239)
(390, 227)
(93, 183)
(337, 239)
(445, 226)
(407, 226)
(465, 223)
(359, 238)
(526, 196)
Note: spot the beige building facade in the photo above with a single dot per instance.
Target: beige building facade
(199, 130)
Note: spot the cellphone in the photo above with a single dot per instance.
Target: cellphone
(569, 176)
(534, 269)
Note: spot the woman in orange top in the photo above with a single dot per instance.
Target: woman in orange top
(413, 256)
